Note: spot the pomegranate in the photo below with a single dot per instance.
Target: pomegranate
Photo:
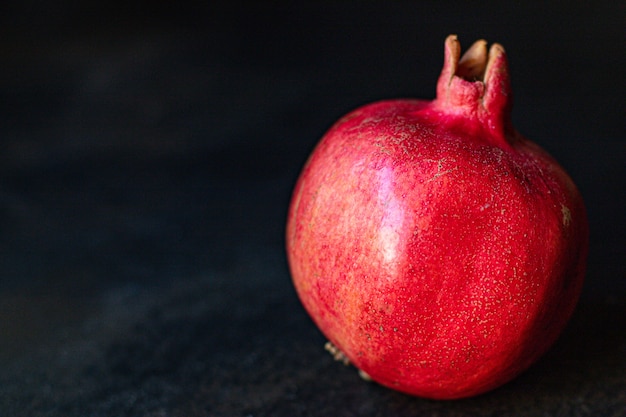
(439, 251)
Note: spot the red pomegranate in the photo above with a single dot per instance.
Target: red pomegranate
(439, 250)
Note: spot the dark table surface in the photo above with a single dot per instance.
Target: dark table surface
(147, 155)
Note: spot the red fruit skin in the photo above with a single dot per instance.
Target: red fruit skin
(437, 248)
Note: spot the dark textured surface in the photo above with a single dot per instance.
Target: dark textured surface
(147, 155)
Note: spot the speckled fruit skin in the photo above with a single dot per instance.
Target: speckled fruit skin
(431, 243)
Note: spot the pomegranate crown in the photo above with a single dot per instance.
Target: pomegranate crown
(476, 84)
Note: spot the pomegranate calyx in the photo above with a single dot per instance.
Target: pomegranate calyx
(476, 85)
(473, 63)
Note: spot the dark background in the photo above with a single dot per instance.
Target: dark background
(147, 155)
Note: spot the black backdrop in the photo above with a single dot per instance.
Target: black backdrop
(147, 154)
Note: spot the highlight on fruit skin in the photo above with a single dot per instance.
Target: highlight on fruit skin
(440, 251)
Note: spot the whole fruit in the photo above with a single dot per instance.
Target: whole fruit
(439, 250)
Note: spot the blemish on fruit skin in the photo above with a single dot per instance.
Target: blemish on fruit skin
(364, 375)
(337, 354)
(567, 215)
(440, 169)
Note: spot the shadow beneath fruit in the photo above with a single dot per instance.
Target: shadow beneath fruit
(589, 355)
